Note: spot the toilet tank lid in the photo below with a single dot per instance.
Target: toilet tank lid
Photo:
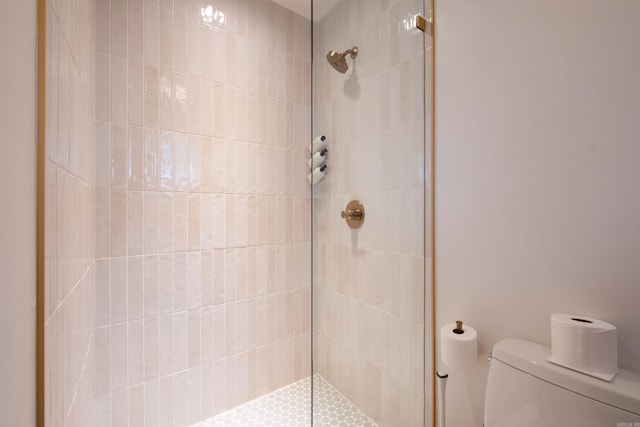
(623, 392)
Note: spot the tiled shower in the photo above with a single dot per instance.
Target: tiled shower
(190, 267)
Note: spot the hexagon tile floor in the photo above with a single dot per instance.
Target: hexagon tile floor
(289, 407)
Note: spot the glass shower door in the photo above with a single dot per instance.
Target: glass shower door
(370, 197)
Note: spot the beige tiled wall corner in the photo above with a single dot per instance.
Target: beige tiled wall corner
(174, 281)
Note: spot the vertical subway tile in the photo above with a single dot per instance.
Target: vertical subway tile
(119, 28)
(103, 293)
(150, 286)
(135, 290)
(193, 226)
(150, 159)
(193, 338)
(135, 154)
(230, 58)
(102, 217)
(103, 26)
(193, 106)
(261, 66)
(165, 345)
(117, 225)
(218, 56)
(242, 116)
(150, 32)
(103, 87)
(151, 402)
(217, 281)
(206, 390)
(217, 165)
(206, 52)
(240, 274)
(193, 395)
(165, 107)
(165, 284)
(166, 410)
(151, 349)
(230, 185)
(180, 222)
(118, 290)
(103, 153)
(136, 405)
(150, 222)
(180, 340)
(241, 221)
(135, 93)
(219, 394)
(206, 223)
(180, 399)
(180, 282)
(195, 163)
(165, 35)
(181, 162)
(207, 100)
(134, 30)
(165, 153)
(251, 66)
(206, 279)
(231, 121)
(135, 356)
(230, 329)
(241, 62)
(229, 275)
(219, 109)
(193, 280)
(230, 221)
(119, 72)
(120, 408)
(193, 38)
(218, 332)
(165, 222)
(180, 36)
(206, 169)
(119, 161)
(119, 357)
(135, 222)
(150, 97)
(180, 102)
(252, 130)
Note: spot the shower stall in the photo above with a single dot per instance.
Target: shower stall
(200, 262)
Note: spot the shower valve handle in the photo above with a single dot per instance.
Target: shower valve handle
(354, 214)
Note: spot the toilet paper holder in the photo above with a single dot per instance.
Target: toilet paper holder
(354, 214)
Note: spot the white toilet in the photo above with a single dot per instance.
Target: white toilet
(524, 390)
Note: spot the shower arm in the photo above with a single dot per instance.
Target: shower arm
(353, 52)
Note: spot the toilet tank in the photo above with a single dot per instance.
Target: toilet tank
(524, 390)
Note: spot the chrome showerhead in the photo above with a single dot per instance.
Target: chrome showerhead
(339, 60)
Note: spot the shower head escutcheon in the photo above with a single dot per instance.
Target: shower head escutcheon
(339, 60)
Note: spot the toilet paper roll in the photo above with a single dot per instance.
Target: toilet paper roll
(458, 351)
(584, 344)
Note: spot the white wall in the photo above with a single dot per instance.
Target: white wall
(17, 216)
(537, 173)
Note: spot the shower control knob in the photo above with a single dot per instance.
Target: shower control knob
(354, 214)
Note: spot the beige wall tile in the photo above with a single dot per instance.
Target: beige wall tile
(187, 210)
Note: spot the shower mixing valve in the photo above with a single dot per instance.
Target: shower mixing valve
(354, 214)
